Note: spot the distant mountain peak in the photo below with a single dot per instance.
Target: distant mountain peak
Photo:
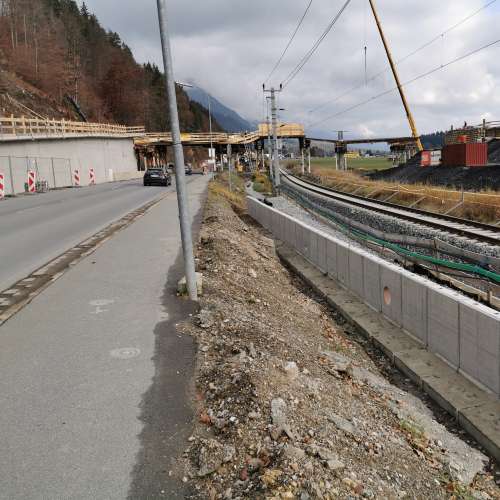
(226, 117)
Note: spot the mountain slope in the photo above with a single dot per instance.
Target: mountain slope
(227, 118)
(73, 55)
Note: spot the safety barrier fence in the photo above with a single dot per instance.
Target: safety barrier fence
(20, 127)
(462, 332)
(35, 174)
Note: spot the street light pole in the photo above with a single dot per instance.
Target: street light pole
(180, 175)
(212, 152)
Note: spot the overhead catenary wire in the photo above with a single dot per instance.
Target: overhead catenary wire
(276, 66)
(408, 82)
(315, 47)
(409, 55)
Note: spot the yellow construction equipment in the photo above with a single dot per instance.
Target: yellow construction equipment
(411, 121)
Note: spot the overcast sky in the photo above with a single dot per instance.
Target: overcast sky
(228, 47)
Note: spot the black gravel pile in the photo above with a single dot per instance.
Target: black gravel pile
(494, 152)
(470, 178)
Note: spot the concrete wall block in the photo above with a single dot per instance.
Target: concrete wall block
(276, 224)
(343, 264)
(322, 260)
(331, 258)
(313, 247)
(414, 300)
(356, 275)
(391, 292)
(443, 324)
(480, 343)
(280, 221)
(488, 341)
(468, 348)
(290, 232)
(372, 292)
(302, 241)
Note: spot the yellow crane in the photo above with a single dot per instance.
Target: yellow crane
(411, 121)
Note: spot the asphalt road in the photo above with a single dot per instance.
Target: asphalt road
(94, 376)
(36, 229)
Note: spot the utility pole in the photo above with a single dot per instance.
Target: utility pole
(180, 175)
(411, 121)
(269, 145)
(212, 152)
(276, 160)
(229, 161)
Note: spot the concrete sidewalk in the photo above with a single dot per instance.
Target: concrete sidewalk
(94, 378)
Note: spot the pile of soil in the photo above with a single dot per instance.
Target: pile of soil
(289, 405)
(471, 179)
(494, 152)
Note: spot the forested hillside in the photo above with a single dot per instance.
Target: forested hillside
(51, 49)
(433, 141)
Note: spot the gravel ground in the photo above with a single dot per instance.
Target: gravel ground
(289, 406)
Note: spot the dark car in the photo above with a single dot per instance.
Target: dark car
(157, 177)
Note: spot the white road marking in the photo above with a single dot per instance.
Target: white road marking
(99, 304)
(125, 353)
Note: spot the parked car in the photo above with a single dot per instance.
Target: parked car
(158, 177)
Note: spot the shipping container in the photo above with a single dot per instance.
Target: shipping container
(465, 155)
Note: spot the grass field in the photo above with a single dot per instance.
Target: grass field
(355, 163)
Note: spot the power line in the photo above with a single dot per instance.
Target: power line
(419, 49)
(419, 77)
(290, 41)
(318, 42)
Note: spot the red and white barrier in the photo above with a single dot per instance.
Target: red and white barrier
(92, 177)
(2, 185)
(76, 178)
(31, 181)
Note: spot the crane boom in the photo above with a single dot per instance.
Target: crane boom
(411, 121)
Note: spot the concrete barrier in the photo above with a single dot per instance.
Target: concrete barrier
(461, 331)
(55, 161)
(128, 176)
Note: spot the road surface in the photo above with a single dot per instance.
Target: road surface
(94, 376)
(36, 229)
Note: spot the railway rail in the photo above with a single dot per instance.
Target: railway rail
(473, 230)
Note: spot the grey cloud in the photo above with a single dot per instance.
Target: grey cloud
(229, 46)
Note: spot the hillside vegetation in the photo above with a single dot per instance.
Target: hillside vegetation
(50, 49)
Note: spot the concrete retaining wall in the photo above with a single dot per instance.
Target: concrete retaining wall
(55, 161)
(464, 333)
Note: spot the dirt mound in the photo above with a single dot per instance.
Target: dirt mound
(471, 179)
(494, 152)
(283, 410)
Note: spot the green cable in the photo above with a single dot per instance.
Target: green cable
(392, 246)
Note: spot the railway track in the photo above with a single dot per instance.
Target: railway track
(478, 231)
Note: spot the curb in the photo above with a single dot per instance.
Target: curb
(476, 410)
